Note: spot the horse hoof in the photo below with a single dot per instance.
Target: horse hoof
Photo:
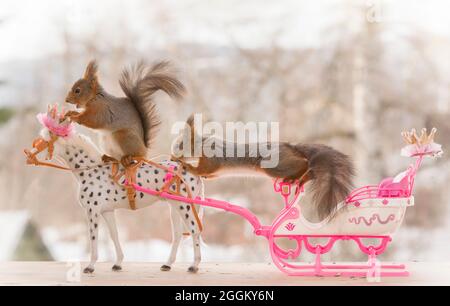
(165, 268)
(116, 268)
(193, 270)
(88, 270)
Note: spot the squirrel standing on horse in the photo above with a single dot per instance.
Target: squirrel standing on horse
(127, 124)
(330, 171)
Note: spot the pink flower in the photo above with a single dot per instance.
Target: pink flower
(63, 129)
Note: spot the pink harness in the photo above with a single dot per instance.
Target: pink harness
(169, 174)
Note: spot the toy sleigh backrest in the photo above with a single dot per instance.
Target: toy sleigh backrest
(402, 185)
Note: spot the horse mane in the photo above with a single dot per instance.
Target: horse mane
(85, 143)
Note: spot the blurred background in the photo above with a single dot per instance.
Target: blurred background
(351, 74)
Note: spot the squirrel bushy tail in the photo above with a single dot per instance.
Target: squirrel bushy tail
(331, 174)
(139, 83)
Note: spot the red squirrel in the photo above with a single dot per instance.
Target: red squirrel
(127, 123)
(330, 171)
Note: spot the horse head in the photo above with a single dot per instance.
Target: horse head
(54, 126)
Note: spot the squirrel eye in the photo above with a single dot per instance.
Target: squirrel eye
(77, 90)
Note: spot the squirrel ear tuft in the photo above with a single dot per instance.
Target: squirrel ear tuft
(91, 71)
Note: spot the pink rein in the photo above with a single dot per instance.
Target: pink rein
(283, 188)
(206, 202)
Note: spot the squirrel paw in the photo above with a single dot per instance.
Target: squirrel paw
(290, 181)
(108, 159)
(127, 161)
(72, 115)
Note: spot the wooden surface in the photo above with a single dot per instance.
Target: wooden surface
(54, 273)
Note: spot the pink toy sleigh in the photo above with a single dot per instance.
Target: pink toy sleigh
(371, 212)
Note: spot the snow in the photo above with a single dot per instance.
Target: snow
(151, 250)
(12, 226)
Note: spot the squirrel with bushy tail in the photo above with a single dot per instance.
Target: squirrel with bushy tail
(127, 124)
(330, 172)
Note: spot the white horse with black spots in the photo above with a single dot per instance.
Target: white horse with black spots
(100, 196)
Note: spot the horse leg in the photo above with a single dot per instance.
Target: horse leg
(111, 222)
(177, 234)
(190, 222)
(93, 238)
(197, 253)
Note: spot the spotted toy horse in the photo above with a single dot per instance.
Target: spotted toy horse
(100, 195)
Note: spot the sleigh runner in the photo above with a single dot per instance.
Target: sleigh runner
(372, 212)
